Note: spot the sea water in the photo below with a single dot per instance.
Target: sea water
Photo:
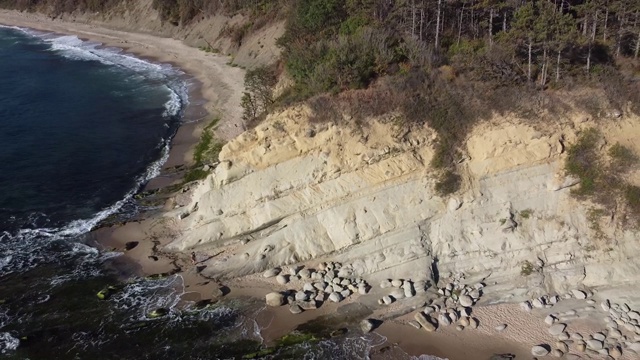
(82, 129)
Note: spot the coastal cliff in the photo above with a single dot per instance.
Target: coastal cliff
(293, 191)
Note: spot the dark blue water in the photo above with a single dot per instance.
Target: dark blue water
(82, 128)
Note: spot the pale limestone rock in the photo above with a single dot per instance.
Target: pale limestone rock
(579, 294)
(466, 300)
(275, 299)
(271, 273)
(557, 329)
(426, 322)
(539, 350)
(594, 344)
(366, 325)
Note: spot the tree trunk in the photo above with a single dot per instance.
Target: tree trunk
(491, 27)
(589, 59)
(595, 23)
(543, 76)
(529, 67)
(637, 51)
(413, 18)
(421, 21)
(460, 23)
(585, 24)
(437, 45)
(558, 67)
(504, 22)
(604, 31)
(621, 20)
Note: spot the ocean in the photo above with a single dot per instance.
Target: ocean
(82, 129)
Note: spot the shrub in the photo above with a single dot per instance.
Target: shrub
(622, 157)
(448, 183)
(583, 162)
(258, 95)
(632, 197)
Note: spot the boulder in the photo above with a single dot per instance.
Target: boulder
(537, 303)
(594, 344)
(474, 323)
(271, 273)
(275, 299)
(295, 309)
(301, 296)
(282, 279)
(367, 325)
(304, 274)
(397, 294)
(335, 297)
(362, 290)
(425, 322)
(526, 306)
(308, 305)
(387, 300)
(579, 294)
(444, 319)
(415, 324)
(465, 300)
(540, 350)
(408, 291)
(549, 320)
(557, 353)
(557, 329)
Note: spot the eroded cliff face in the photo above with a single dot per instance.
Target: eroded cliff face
(291, 191)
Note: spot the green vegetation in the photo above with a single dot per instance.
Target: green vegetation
(526, 213)
(526, 269)
(632, 197)
(207, 149)
(257, 99)
(583, 161)
(622, 157)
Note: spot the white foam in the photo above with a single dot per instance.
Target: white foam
(8, 343)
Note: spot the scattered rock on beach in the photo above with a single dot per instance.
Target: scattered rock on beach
(295, 309)
(501, 327)
(540, 350)
(466, 300)
(579, 294)
(425, 322)
(271, 273)
(282, 279)
(275, 299)
(335, 297)
(387, 299)
(367, 325)
(557, 329)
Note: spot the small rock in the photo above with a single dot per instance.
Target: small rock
(540, 350)
(606, 305)
(345, 293)
(557, 329)
(335, 297)
(599, 336)
(564, 336)
(363, 290)
(367, 325)
(459, 327)
(385, 284)
(616, 352)
(576, 336)
(304, 274)
(308, 305)
(282, 279)
(308, 287)
(396, 283)
(581, 347)
(537, 303)
(387, 300)
(397, 294)
(275, 299)
(501, 327)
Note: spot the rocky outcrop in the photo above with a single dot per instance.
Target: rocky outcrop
(292, 191)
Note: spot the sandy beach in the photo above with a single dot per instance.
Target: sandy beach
(217, 93)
